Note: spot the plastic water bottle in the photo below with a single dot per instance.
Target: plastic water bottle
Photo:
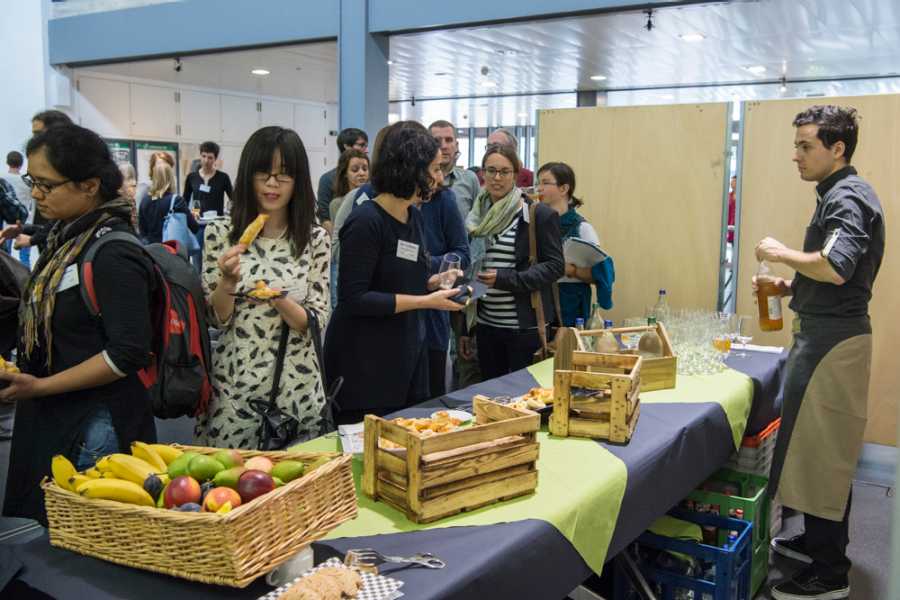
(594, 322)
(579, 324)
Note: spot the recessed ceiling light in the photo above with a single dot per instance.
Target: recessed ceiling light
(692, 37)
(488, 83)
(390, 62)
(260, 71)
(598, 77)
(756, 69)
(393, 117)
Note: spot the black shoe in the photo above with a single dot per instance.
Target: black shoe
(794, 548)
(808, 585)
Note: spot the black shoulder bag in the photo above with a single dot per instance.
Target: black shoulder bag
(327, 421)
(278, 429)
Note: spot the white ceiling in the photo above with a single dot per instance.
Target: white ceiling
(796, 39)
(304, 71)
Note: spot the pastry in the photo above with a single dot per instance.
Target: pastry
(253, 230)
(262, 291)
(348, 580)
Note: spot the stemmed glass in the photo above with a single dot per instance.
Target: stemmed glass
(742, 328)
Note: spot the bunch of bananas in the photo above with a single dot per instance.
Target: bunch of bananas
(135, 478)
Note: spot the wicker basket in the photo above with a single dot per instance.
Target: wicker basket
(231, 549)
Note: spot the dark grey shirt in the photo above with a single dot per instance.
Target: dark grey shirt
(848, 228)
(326, 193)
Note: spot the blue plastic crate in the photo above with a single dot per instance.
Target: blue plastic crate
(732, 563)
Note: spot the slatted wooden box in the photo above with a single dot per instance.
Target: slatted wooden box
(447, 473)
(613, 413)
(656, 373)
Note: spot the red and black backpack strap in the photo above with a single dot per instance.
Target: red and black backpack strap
(86, 271)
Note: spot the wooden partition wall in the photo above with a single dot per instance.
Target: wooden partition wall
(652, 180)
(776, 202)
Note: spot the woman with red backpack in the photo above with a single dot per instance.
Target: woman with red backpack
(78, 394)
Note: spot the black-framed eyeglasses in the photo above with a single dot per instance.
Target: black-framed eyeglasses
(492, 172)
(42, 186)
(279, 177)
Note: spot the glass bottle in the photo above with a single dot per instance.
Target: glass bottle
(650, 346)
(768, 299)
(661, 308)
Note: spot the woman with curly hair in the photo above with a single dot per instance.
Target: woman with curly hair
(376, 338)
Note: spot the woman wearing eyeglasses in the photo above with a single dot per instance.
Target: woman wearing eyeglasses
(505, 320)
(556, 188)
(291, 253)
(79, 394)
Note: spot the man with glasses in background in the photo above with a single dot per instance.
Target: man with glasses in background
(463, 182)
(504, 137)
(347, 138)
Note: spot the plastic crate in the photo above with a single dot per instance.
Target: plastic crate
(756, 451)
(731, 580)
(749, 495)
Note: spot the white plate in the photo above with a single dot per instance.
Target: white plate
(461, 415)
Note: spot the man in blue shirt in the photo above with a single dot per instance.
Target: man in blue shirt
(348, 138)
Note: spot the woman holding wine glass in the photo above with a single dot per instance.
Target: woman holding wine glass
(376, 338)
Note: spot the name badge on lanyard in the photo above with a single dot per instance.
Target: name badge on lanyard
(407, 251)
(69, 278)
(205, 188)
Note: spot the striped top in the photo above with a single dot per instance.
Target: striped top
(497, 308)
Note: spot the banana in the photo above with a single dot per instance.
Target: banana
(147, 453)
(130, 468)
(76, 480)
(167, 453)
(62, 470)
(102, 465)
(115, 489)
(93, 473)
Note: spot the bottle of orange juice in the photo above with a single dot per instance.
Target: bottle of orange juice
(768, 299)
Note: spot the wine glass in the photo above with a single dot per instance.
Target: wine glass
(743, 327)
(449, 271)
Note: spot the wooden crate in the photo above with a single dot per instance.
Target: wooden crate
(444, 474)
(612, 417)
(656, 373)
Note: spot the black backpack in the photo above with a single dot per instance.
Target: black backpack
(178, 378)
(13, 278)
(11, 208)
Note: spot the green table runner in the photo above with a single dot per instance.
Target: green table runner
(581, 498)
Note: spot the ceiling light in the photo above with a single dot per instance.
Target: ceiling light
(692, 37)
(507, 52)
(260, 71)
(390, 62)
(783, 87)
(393, 118)
(756, 69)
(488, 83)
(598, 77)
(441, 74)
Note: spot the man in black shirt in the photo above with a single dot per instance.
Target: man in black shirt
(208, 186)
(827, 373)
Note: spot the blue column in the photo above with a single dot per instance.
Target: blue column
(363, 70)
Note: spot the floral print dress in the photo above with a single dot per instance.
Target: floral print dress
(243, 362)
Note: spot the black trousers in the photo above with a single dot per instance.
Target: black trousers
(826, 544)
(437, 373)
(502, 351)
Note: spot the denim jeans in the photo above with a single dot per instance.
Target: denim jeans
(96, 439)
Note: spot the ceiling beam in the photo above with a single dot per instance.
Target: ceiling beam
(188, 27)
(406, 16)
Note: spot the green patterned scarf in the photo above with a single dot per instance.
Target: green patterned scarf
(65, 243)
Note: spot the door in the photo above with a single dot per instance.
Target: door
(201, 116)
(103, 106)
(153, 111)
(240, 118)
(277, 113)
(309, 122)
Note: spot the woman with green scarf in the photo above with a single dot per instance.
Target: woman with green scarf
(504, 319)
(556, 189)
(78, 393)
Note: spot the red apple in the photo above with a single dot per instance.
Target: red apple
(217, 497)
(182, 490)
(259, 463)
(253, 484)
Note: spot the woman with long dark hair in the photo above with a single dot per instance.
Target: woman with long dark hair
(79, 394)
(376, 339)
(291, 253)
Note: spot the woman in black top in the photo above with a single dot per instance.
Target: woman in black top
(375, 340)
(78, 394)
(156, 205)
